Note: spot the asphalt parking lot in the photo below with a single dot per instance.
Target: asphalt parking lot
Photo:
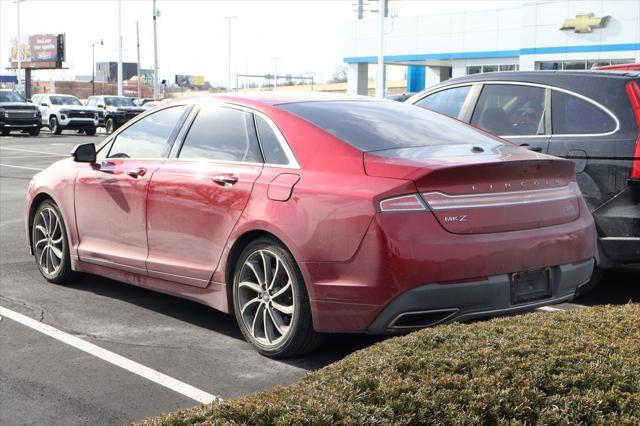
(49, 381)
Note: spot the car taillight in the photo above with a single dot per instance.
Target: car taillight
(633, 90)
(403, 203)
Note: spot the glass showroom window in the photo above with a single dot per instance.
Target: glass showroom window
(580, 64)
(477, 69)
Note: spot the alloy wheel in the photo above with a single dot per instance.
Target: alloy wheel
(48, 241)
(266, 297)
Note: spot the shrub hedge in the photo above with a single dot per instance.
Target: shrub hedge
(571, 367)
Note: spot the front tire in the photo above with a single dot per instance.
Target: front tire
(54, 126)
(90, 132)
(34, 132)
(110, 126)
(270, 301)
(4, 132)
(50, 244)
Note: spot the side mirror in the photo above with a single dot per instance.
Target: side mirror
(100, 105)
(84, 153)
(30, 101)
(44, 104)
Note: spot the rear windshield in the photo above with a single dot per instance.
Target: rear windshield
(379, 125)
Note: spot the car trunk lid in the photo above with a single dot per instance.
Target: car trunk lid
(484, 188)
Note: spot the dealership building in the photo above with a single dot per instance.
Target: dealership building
(538, 35)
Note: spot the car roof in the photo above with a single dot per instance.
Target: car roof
(277, 98)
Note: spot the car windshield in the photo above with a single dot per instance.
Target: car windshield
(8, 96)
(381, 125)
(118, 102)
(64, 100)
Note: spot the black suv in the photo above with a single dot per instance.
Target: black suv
(17, 114)
(591, 117)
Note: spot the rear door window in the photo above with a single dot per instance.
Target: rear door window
(510, 110)
(271, 147)
(220, 133)
(571, 115)
(448, 101)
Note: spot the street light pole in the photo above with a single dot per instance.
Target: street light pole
(93, 62)
(120, 48)
(138, 68)
(155, 52)
(275, 72)
(229, 18)
(380, 83)
(18, 46)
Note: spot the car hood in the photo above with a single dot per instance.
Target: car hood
(17, 105)
(77, 108)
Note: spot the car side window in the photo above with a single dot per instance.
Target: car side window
(149, 136)
(35, 99)
(510, 109)
(91, 102)
(271, 148)
(448, 101)
(572, 115)
(220, 133)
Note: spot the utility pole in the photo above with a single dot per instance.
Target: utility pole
(120, 92)
(380, 83)
(138, 69)
(155, 52)
(18, 47)
(275, 72)
(229, 18)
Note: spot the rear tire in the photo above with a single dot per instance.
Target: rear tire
(270, 301)
(50, 244)
(54, 126)
(5, 132)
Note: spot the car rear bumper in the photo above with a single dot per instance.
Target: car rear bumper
(402, 252)
(435, 303)
(618, 222)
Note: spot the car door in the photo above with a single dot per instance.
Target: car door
(585, 132)
(515, 112)
(45, 108)
(198, 195)
(111, 195)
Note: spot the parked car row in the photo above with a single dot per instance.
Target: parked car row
(66, 112)
(304, 215)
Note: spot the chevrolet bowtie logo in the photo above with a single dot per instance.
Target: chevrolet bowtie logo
(584, 23)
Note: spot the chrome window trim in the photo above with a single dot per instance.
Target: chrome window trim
(544, 86)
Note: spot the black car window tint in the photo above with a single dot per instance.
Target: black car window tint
(506, 109)
(220, 133)
(147, 137)
(572, 115)
(380, 125)
(271, 148)
(448, 101)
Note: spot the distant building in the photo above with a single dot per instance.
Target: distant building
(107, 72)
(538, 35)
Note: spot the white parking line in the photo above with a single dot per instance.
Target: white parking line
(57, 154)
(115, 359)
(21, 167)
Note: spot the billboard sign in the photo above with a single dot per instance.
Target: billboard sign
(38, 51)
(190, 80)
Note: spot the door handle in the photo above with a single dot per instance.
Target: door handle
(225, 180)
(137, 172)
(531, 148)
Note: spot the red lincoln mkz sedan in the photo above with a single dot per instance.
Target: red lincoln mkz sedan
(304, 215)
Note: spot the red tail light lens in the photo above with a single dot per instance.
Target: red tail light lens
(403, 203)
(633, 90)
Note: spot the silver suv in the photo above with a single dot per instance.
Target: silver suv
(66, 112)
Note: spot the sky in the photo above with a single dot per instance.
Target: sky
(306, 35)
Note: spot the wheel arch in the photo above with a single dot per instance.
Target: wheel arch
(239, 245)
(35, 203)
